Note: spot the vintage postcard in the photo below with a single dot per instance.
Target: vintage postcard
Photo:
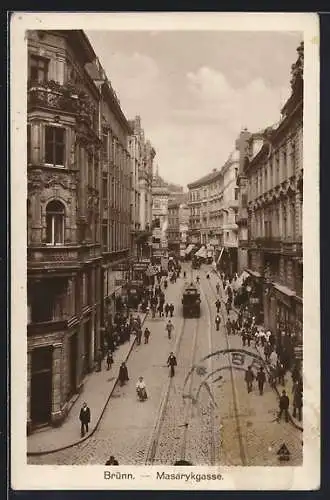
(164, 222)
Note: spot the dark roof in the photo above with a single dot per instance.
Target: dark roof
(206, 179)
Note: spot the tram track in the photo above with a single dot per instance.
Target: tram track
(239, 433)
(152, 455)
(186, 342)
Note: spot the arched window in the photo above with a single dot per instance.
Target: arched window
(55, 223)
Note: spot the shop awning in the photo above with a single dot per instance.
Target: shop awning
(189, 249)
(284, 289)
(240, 280)
(201, 253)
(254, 273)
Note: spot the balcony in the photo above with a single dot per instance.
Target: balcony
(51, 257)
(278, 245)
(68, 98)
(44, 327)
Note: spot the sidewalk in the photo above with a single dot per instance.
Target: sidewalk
(98, 388)
(287, 379)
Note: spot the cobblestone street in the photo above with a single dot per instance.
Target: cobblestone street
(234, 428)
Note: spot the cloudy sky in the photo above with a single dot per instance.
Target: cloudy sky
(195, 91)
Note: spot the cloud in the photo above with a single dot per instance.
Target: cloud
(255, 105)
(138, 81)
(191, 111)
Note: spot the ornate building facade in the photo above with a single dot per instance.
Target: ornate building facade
(142, 156)
(274, 174)
(178, 224)
(118, 190)
(89, 195)
(160, 196)
(63, 221)
(213, 203)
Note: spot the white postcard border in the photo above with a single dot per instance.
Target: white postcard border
(25, 476)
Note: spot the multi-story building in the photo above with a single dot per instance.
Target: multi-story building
(118, 189)
(274, 176)
(229, 171)
(178, 225)
(160, 195)
(83, 202)
(213, 203)
(142, 156)
(198, 205)
(63, 221)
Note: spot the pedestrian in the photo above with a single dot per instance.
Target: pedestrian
(217, 322)
(146, 335)
(267, 351)
(228, 325)
(244, 336)
(218, 288)
(261, 379)
(167, 309)
(109, 359)
(111, 461)
(160, 309)
(184, 274)
(171, 306)
(123, 374)
(138, 335)
(297, 401)
(283, 407)
(249, 378)
(248, 337)
(171, 362)
(169, 328)
(85, 418)
(218, 305)
(280, 373)
(273, 359)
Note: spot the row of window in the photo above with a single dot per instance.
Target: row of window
(115, 235)
(281, 166)
(277, 222)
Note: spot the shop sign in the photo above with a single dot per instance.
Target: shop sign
(140, 266)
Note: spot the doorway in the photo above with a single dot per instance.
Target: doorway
(73, 343)
(41, 385)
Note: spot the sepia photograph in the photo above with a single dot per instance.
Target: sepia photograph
(162, 272)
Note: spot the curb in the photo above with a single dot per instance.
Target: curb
(81, 440)
(275, 389)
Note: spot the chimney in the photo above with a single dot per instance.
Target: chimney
(242, 146)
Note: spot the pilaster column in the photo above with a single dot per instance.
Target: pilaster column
(56, 384)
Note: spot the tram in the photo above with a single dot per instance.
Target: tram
(191, 302)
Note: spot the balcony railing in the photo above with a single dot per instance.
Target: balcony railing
(43, 327)
(272, 243)
(52, 95)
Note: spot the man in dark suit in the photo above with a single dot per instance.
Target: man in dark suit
(85, 418)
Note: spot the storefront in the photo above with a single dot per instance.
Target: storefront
(254, 287)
